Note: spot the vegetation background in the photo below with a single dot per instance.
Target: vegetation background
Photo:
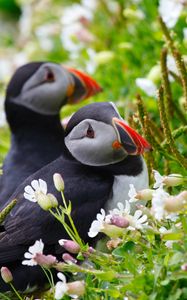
(118, 42)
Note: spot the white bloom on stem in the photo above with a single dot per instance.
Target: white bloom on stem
(91, 64)
(61, 287)
(137, 221)
(132, 193)
(33, 250)
(158, 203)
(97, 225)
(147, 86)
(170, 11)
(169, 180)
(76, 12)
(122, 210)
(37, 187)
(158, 179)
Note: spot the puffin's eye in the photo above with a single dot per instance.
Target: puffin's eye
(49, 76)
(90, 132)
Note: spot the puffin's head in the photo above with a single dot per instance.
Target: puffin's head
(96, 135)
(44, 87)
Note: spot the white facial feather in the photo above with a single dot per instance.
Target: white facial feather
(95, 151)
(45, 97)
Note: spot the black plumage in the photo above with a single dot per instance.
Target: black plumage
(36, 137)
(88, 187)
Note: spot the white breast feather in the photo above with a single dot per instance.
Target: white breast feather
(121, 187)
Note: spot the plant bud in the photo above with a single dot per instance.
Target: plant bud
(76, 288)
(112, 231)
(44, 201)
(70, 246)
(173, 180)
(119, 221)
(104, 57)
(184, 267)
(58, 182)
(69, 259)
(113, 243)
(145, 194)
(174, 204)
(155, 74)
(6, 275)
(53, 199)
(46, 261)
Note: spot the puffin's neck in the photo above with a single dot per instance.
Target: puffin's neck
(131, 166)
(26, 125)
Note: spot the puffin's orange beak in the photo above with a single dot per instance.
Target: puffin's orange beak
(129, 139)
(83, 88)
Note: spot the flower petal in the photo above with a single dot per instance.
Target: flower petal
(35, 185)
(29, 190)
(61, 276)
(43, 186)
(29, 197)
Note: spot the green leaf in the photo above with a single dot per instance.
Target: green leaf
(124, 249)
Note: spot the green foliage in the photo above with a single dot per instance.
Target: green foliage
(129, 41)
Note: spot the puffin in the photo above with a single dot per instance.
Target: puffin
(102, 156)
(34, 97)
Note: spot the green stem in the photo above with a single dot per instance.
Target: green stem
(6, 210)
(78, 239)
(15, 291)
(4, 297)
(166, 84)
(66, 227)
(48, 278)
(167, 131)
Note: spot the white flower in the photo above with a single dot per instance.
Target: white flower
(91, 4)
(169, 180)
(61, 287)
(37, 186)
(91, 64)
(97, 224)
(132, 193)
(137, 221)
(170, 11)
(147, 86)
(122, 210)
(158, 179)
(158, 203)
(33, 250)
(74, 13)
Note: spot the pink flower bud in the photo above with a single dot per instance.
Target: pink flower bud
(6, 275)
(46, 261)
(69, 259)
(58, 182)
(184, 267)
(70, 246)
(76, 288)
(119, 221)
